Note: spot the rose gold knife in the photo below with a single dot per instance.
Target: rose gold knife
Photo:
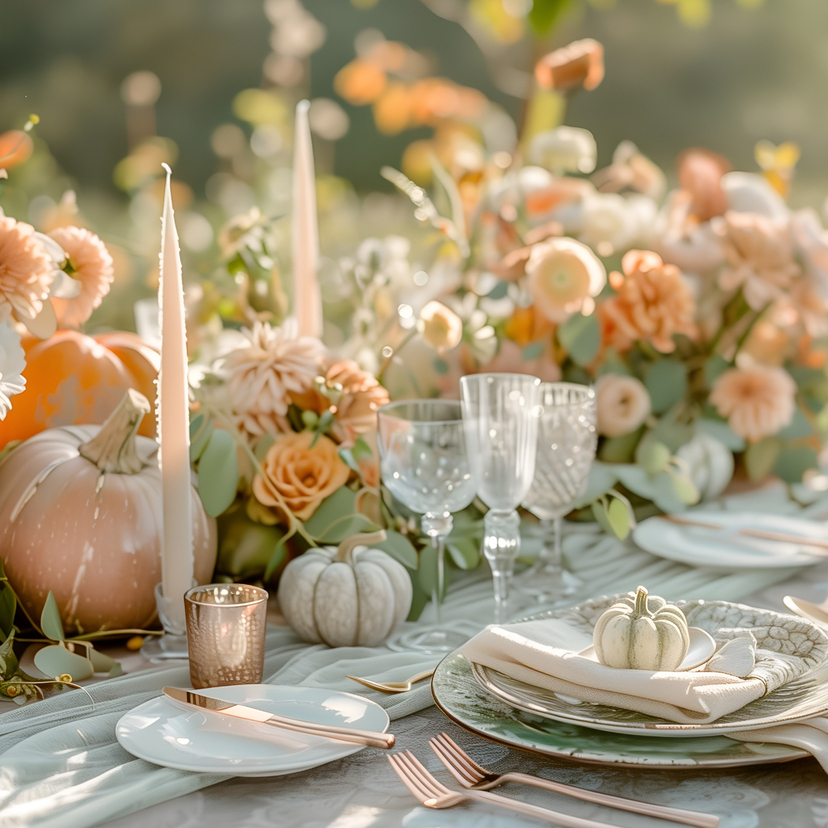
(251, 714)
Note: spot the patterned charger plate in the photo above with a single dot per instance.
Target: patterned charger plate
(460, 697)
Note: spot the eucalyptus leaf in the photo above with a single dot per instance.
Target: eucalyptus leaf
(620, 449)
(464, 552)
(347, 457)
(599, 512)
(722, 432)
(427, 572)
(419, 599)
(533, 350)
(400, 548)
(671, 492)
(346, 526)
(714, 368)
(619, 519)
(581, 336)
(218, 473)
(263, 445)
(636, 480)
(8, 607)
(799, 427)
(276, 557)
(602, 478)
(200, 433)
(50, 619)
(761, 457)
(8, 660)
(792, 463)
(666, 382)
(441, 366)
(361, 450)
(101, 662)
(652, 456)
(55, 660)
(341, 503)
(499, 291)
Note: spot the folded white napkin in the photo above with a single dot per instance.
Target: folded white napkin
(544, 653)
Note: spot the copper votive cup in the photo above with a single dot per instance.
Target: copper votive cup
(225, 634)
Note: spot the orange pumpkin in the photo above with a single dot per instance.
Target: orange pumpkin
(74, 379)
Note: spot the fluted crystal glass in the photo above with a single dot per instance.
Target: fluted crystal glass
(425, 465)
(500, 418)
(566, 450)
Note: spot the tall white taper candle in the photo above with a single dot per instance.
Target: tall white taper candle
(307, 300)
(174, 424)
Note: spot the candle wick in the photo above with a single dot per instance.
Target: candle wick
(167, 168)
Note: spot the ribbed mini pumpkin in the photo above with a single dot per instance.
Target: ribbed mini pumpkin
(348, 596)
(635, 634)
(81, 515)
(74, 379)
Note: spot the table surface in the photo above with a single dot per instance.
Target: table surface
(362, 791)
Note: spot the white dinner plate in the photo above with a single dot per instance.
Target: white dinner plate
(725, 548)
(163, 733)
(702, 646)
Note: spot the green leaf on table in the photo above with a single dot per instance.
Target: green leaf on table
(464, 552)
(721, 431)
(714, 368)
(799, 427)
(400, 548)
(666, 382)
(200, 433)
(101, 662)
(684, 488)
(8, 660)
(581, 336)
(792, 463)
(50, 619)
(55, 660)
(544, 14)
(8, 607)
(533, 350)
(218, 473)
(761, 457)
(618, 516)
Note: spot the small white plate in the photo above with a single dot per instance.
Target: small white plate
(161, 732)
(725, 548)
(702, 646)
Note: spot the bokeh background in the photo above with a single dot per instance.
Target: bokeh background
(217, 81)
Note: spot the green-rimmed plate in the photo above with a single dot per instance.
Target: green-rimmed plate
(459, 696)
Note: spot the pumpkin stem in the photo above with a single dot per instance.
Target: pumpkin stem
(346, 548)
(641, 601)
(113, 448)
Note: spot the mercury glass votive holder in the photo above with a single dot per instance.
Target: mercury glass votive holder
(226, 634)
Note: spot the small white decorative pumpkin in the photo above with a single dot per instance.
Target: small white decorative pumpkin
(348, 596)
(633, 635)
(710, 464)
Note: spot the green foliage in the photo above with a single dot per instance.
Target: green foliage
(581, 336)
(545, 13)
(50, 619)
(337, 518)
(761, 457)
(400, 548)
(666, 382)
(722, 432)
(218, 473)
(793, 462)
(55, 660)
(714, 368)
(201, 429)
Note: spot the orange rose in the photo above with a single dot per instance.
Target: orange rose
(303, 475)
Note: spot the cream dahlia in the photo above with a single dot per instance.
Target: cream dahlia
(261, 376)
(89, 263)
(622, 403)
(26, 270)
(756, 400)
(12, 363)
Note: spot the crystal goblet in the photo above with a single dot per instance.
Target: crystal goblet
(501, 421)
(566, 449)
(424, 464)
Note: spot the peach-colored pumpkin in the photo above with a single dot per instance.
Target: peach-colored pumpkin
(75, 379)
(81, 515)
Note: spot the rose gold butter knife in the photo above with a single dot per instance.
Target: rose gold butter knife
(251, 714)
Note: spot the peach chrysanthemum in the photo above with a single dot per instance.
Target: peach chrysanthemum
(362, 395)
(756, 400)
(759, 255)
(26, 270)
(262, 376)
(653, 303)
(89, 263)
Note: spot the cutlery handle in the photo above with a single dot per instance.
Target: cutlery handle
(621, 803)
(564, 820)
(340, 734)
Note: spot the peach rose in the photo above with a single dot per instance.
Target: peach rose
(623, 403)
(653, 303)
(563, 277)
(362, 395)
(301, 472)
(757, 400)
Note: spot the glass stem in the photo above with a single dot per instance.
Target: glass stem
(501, 545)
(438, 528)
(551, 554)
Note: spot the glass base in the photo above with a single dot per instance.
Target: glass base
(547, 583)
(427, 640)
(165, 647)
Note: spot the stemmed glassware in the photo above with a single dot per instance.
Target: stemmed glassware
(500, 414)
(425, 465)
(566, 450)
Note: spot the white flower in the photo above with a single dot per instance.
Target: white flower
(811, 243)
(565, 149)
(611, 223)
(751, 193)
(12, 363)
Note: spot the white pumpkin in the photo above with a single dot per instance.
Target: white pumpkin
(635, 636)
(710, 463)
(352, 595)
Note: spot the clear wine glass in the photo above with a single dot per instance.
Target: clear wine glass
(425, 466)
(566, 450)
(500, 414)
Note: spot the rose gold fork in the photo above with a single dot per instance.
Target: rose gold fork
(431, 793)
(471, 775)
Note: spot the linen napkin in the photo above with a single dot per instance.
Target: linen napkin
(544, 653)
